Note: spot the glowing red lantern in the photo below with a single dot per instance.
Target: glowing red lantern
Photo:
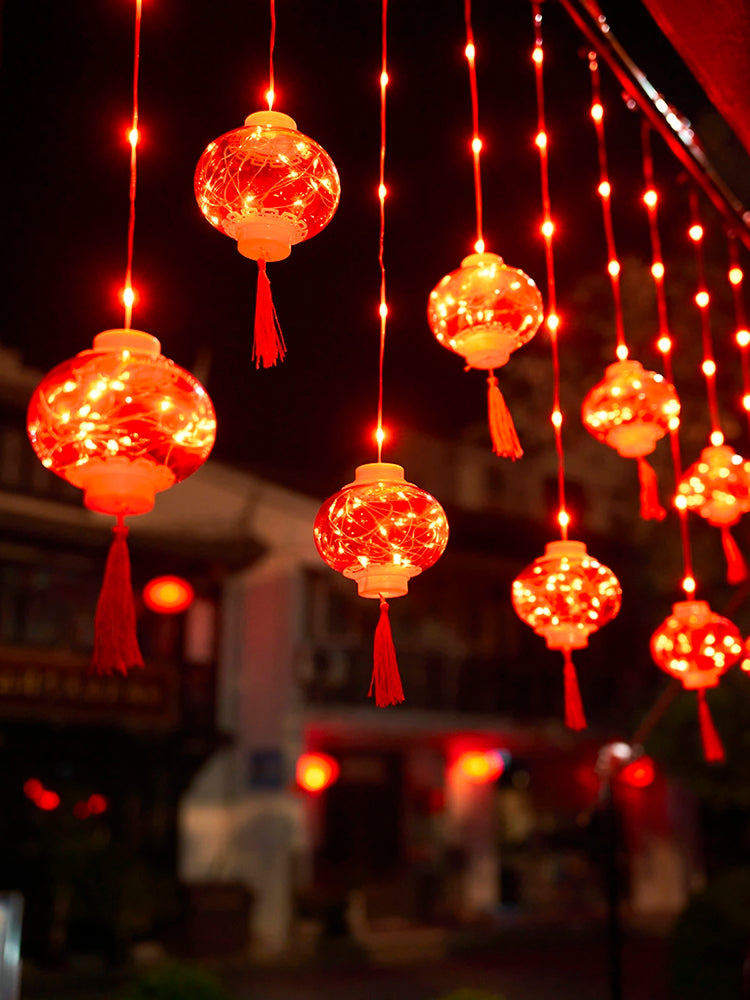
(316, 771)
(168, 595)
(480, 766)
(48, 800)
(565, 595)
(267, 186)
(717, 487)
(630, 410)
(697, 646)
(122, 423)
(484, 311)
(380, 531)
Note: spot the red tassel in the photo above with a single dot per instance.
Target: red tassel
(268, 343)
(505, 441)
(713, 751)
(115, 639)
(574, 717)
(736, 565)
(386, 681)
(651, 509)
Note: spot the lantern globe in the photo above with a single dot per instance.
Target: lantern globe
(380, 530)
(631, 409)
(566, 594)
(717, 486)
(696, 645)
(121, 422)
(267, 186)
(485, 310)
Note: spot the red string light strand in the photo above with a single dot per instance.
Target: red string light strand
(128, 293)
(476, 142)
(664, 342)
(271, 92)
(605, 194)
(742, 334)
(380, 433)
(547, 229)
(702, 300)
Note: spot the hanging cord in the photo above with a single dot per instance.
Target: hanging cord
(476, 142)
(271, 93)
(383, 311)
(742, 334)
(664, 342)
(605, 193)
(702, 300)
(128, 293)
(553, 320)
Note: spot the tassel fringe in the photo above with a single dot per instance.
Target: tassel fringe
(268, 343)
(713, 751)
(386, 680)
(505, 441)
(574, 717)
(651, 508)
(115, 639)
(736, 565)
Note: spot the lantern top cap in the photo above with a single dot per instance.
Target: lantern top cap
(374, 472)
(271, 119)
(565, 548)
(723, 450)
(699, 608)
(127, 340)
(621, 367)
(477, 259)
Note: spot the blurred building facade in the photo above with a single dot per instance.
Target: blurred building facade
(195, 755)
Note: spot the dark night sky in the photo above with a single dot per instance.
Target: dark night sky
(65, 105)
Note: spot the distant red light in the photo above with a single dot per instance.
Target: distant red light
(639, 774)
(481, 766)
(316, 771)
(168, 595)
(96, 804)
(32, 789)
(48, 800)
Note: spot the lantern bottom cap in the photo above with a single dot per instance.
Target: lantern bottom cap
(722, 515)
(118, 486)
(486, 347)
(697, 679)
(268, 238)
(564, 636)
(634, 440)
(382, 581)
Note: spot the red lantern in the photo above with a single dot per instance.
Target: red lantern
(380, 531)
(122, 423)
(484, 311)
(480, 767)
(565, 595)
(630, 410)
(697, 646)
(639, 773)
(717, 487)
(267, 186)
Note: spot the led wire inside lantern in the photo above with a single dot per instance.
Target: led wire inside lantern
(742, 334)
(383, 310)
(128, 294)
(664, 342)
(547, 229)
(605, 193)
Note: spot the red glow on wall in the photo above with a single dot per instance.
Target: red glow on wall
(316, 771)
(168, 595)
(639, 773)
(480, 766)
